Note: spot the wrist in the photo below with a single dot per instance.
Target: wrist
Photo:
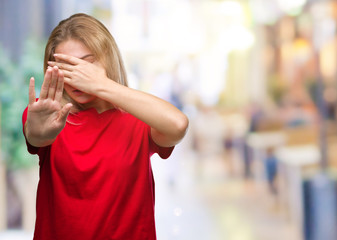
(107, 90)
(36, 139)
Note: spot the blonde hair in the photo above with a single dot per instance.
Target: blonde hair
(96, 37)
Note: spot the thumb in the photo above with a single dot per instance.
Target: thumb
(65, 111)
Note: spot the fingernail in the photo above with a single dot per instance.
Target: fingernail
(55, 54)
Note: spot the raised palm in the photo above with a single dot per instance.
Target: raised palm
(46, 117)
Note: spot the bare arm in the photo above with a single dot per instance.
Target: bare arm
(168, 124)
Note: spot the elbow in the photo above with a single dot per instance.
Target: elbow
(181, 126)
(172, 133)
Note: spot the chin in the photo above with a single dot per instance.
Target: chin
(83, 99)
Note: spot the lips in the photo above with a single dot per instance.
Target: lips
(77, 92)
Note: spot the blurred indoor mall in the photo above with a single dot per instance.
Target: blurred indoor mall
(258, 81)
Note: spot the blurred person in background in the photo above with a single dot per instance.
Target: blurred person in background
(255, 114)
(94, 137)
(270, 163)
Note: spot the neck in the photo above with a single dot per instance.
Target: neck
(99, 105)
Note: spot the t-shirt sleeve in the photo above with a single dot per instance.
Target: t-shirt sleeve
(31, 149)
(163, 152)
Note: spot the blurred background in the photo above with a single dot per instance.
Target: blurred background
(258, 81)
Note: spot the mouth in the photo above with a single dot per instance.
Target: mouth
(77, 92)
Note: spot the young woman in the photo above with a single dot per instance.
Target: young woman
(94, 137)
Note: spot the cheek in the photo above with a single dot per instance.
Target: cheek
(68, 88)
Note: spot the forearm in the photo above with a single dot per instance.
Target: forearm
(167, 122)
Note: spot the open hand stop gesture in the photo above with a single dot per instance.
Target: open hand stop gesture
(46, 117)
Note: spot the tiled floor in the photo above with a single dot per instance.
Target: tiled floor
(205, 202)
(16, 235)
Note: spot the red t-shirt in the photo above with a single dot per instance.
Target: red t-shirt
(96, 179)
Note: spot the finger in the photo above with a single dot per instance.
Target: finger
(67, 80)
(59, 88)
(66, 73)
(32, 96)
(69, 59)
(45, 84)
(63, 66)
(53, 83)
(64, 112)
